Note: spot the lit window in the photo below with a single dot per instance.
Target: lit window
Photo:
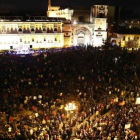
(123, 38)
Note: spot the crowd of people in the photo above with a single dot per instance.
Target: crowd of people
(103, 85)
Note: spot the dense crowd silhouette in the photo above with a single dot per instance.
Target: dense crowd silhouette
(104, 85)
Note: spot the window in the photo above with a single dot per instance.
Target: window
(55, 29)
(20, 30)
(32, 30)
(123, 38)
(44, 29)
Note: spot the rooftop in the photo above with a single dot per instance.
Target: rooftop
(29, 19)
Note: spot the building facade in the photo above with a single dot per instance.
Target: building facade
(61, 28)
(25, 35)
(126, 40)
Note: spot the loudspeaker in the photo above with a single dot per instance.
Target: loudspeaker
(30, 46)
(11, 47)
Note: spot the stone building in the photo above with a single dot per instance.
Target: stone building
(62, 27)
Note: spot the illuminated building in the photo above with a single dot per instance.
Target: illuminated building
(24, 35)
(60, 28)
(92, 30)
(122, 39)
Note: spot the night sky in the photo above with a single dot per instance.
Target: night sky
(41, 5)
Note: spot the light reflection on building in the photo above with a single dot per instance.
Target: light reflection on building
(58, 29)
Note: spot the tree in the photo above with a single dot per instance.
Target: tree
(134, 43)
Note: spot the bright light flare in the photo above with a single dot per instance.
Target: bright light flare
(138, 101)
(74, 22)
(70, 106)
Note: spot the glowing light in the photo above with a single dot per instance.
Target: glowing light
(70, 106)
(36, 114)
(43, 122)
(34, 97)
(40, 96)
(31, 131)
(74, 22)
(138, 101)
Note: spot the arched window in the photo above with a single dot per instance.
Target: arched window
(32, 30)
(20, 30)
(44, 29)
(55, 29)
